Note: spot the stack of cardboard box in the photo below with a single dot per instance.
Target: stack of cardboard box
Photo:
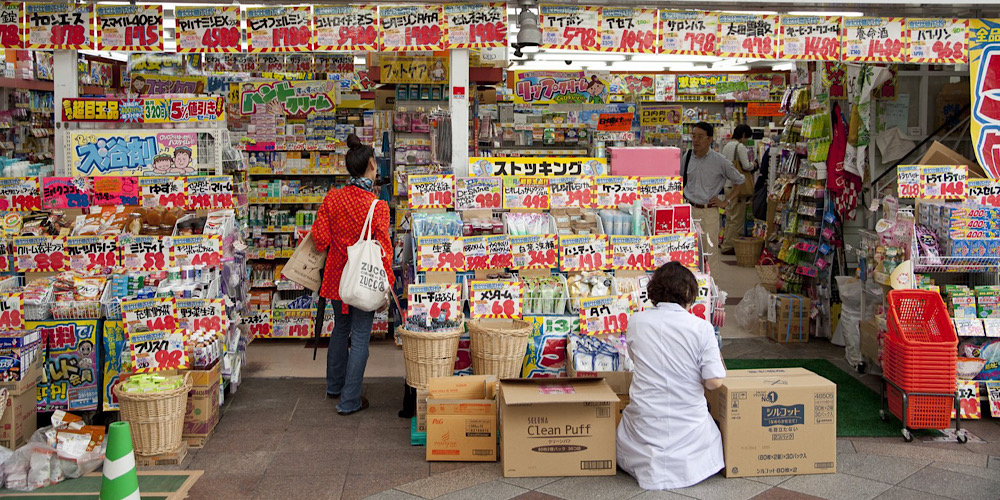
(202, 405)
(20, 374)
(788, 318)
(462, 419)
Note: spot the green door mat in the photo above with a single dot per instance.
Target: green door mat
(857, 405)
(154, 485)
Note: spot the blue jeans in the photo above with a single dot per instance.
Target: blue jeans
(345, 368)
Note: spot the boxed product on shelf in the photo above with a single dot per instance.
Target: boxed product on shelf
(20, 360)
(19, 420)
(605, 357)
(203, 402)
(988, 301)
(788, 318)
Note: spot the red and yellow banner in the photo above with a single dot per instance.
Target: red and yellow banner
(136, 28)
(873, 39)
(279, 29)
(810, 38)
(346, 27)
(688, 33)
(629, 30)
(748, 35)
(208, 29)
(937, 41)
(476, 25)
(571, 27)
(412, 27)
(11, 27)
(59, 26)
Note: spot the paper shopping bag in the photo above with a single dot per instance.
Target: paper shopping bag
(306, 265)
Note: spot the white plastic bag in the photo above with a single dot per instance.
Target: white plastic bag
(751, 308)
(848, 333)
(364, 283)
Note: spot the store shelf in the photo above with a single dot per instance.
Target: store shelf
(529, 126)
(955, 264)
(321, 148)
(476, 75)
(312, 200)
(313, 174)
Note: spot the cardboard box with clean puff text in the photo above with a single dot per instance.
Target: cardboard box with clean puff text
(557, 427)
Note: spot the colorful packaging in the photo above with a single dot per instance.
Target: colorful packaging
(988, 301)
(546, 354)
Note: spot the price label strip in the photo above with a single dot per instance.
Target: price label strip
(571, 192)
(943, 182)
(167, 192)
(613, 191)
(59, 26)
(677, 247)
(197, 250)
(91, 252)
(476, 254)
(937, 41)
(412, 27)
(605, 315)
(571, 27)
(478, 193)
(534, 252)
(346, 28)
(130, 28)
(11, 32)
(431, 191)
(810, 38)
(279, 29)
(984, 192)
(20, 194)
(748, 35)
(688, 33)
(440, 253)
(208, 29)
(583, 252)
(40, 254)
(202, 314)
(526, 193)
(499, 249)
(440, 301)
(629, 30)
(496, 299)
(149, 314)
(158, 350)
(11, 311)
(968, 399)
(631, 252)
(908, 181)
(873, 39)
(145, 253)
(476, 25)
(199, 193)
(260, 324)
(661, 191)
(290, 324)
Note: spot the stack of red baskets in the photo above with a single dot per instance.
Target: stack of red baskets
(919, 356)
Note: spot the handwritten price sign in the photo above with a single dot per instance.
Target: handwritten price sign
(993, 389)
(202, 314)
(984, 192)
(260, 324)
(197, 250)
(40, 254)
(11, 311)
(472, 193)
(208, 29)
(431, 191)
(137, 28)
(810, 38)
(279, 29)
(968, 399)
(678, 247)
(688, 33)
(65, 192)
(571, 192)
(199, 193)
(346, 27)
(748, 35)
(144, 253)
(616, 190)
(605, 315)
(20, 194)
(91, 252)
(11, 15)
(59, 26)
(476, 25)
(873, 39)
(631, 252)
(149, 314)
(434, 301)
(628, 30)
(945, 182)
(499, 249)
(496, 299)
(440, 253)
(908, 181)
(583, 252)
(937, 41)
(661, 191)
(163, 191)
(115, 191)
(412, 27)
(534, 252)
(158, 350)
(476, 254)
(526, 192)
(571, 27)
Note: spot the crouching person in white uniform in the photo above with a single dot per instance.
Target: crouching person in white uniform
(666, 438)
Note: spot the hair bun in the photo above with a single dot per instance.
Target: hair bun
(353, 142)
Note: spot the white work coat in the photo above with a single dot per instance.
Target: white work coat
(667, 438)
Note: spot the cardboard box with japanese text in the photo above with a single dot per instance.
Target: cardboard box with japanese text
(462, 419)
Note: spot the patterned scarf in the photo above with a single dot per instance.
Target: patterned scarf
(363, 183)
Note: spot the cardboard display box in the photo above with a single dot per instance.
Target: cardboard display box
(788, 318)
(776, 422)
(19, 419)
(29, 377)
(557, 427)
(619, 382)
(623, 401)
(870, 345)
(462, 419)
(422, 395)
(203, 402)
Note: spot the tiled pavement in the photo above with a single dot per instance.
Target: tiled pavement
(279, 438)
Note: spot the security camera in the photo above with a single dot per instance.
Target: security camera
(568, 62)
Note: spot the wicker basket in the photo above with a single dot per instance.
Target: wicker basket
(156, 418)
(768, 276)
(428, 354)
(498, 346)
(748, 251)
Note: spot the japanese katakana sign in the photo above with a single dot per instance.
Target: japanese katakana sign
(288, 97)
(547, 166)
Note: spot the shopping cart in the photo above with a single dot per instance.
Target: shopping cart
(918, 368)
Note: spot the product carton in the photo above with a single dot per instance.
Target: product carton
(619, 382)
(461, 416)
(21, 368)
(788, 318)
(422, 395)
(19, 419)
(563, 427)
(776, 422)
(203, 402)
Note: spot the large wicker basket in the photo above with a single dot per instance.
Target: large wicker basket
(156, 418)
(428, 354)
(498, 346)
(768, 276)
(748, 251)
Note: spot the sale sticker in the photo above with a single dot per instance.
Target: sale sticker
(145, 253)
(279, 29)
(197, 250)
(993, 390)
(473, 193)
(291, 323)
(11, 34)
(11, 311)
(434, 301)
(571, 191)
(605, 315)
(688, 33)
(748, 35)
(115, 191)
(198, 193)
(202, 314)
(476, 25)
(149, 314)
(571, 27)
(259, 323)
(526, 192)
(346, 27)
(39, 254)
(873, 39)
(943, 182)
(133, 28)
(534, 252)
(496, 299)
(614, 122)
(908, 181)
(412, 27)
(499, 249)
(631, 252)
(163, 191)
(677, 247)
(583, 252)
(64, 26)
(984, 192)
(810, 38)
(440, 253)
(968, 399)
(476, 253)
(431, 191)
(937, 41)
(661, 191)
(158, 350)
(65, 192)
(629, 30)
(91, 252)
(221, 189)
(20, 194)
(208, 29)
(612, 191)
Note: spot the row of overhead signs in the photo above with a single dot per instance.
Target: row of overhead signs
(220, 29)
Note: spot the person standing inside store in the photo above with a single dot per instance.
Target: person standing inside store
(338, 225)
(705, 173)
(735, 151)
(666, 438)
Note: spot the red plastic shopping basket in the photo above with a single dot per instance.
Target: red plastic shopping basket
(919, 318)
(924, 412)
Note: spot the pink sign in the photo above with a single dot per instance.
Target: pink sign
(113, 191)
(65, 192)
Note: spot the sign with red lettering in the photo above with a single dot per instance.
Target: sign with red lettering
(614, 122)
(967, 392)
(346, 27)
(571, 27)
(260, 324)
(11, 311)
(39, 254)
(20, 194)
(499, 250)
(587, 252)
(496, 299)
(688, 33)
(526, 192)
(764, 109)
(202, 314)
(473, 193)
(209, 192)
(605, 315)
(873, 39)
(631, 252)
(158, 350)
(534, 252)
(943, 182)
(476, 254)
(59, 26)
(65, 192)
(434, 302)
(149, 314)
(196, 250)
(984, 192)
(412, 27)
(571, 191)
(11, 32)
(144, 253)
(748, 35)
(810, 38)
(628, 30)
(208, 29)
(163, 191)
(612, 191)
(115, 191)
(661, 191)
(137, 28)
(476, 25)
(937, 41)
(440, 253)
(431, 191)
(91, 252)
(279, 29)
(677, 247)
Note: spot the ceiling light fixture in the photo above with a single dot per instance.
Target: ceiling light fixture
(547, 56)
(818, 13)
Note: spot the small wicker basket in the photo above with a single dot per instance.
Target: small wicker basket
(768, 276)
(156, 418)
(498, 346)
(429, 354)
(748, 251)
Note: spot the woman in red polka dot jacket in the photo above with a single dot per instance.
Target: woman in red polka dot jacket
(338, 225)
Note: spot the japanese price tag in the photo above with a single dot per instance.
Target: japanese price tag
(20, 194)
(748, 35)
(810, 38)
(478, 193)
(679, 247)
(149, 314)
(158, 350)
(476, 254)
(943, 182)
(432, 301)
(476, 25)
(197, 250)
(221, 189)
(937, 41)
(114, 191)
(702, 306)
(873, 39)
(346, 27)
(571, 192)
(130, 28)
(260, 324)
(40, 254)
(496, 299)
(60, 26)
(574, 27)
(526, 192)
(908, 181)
(11, 16)
(661, 191)
(279, 29)
(499, 250)
(431, 191)
(984, 192)
(163, 191)
(440, 253)
(583, 252)
(993, 390)
(628, 30)
(412, 27)
(11, 311)
(611, 192)
(688, 33)
(631, 252)
(534, 252)
(65, 192)
(202, 314)
(208, 29)
(287, 323)
(144, 253)
(968, 399)
(605, 315)
(91, 252)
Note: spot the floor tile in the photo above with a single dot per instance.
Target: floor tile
(972, 471)
(238, 442)
(660, 495)
(361, 486)
(951, 452)
(321, 418)
(900, 493)
(449, 482)
(718, 487)
(237, 464)
(331, 440)
(845, 446)
(890, 470)
(535, 495)
(312, 487)
(531, 483)
(952, 484)
(594, 488)
(225, 486)
(994, 463)
(392, 495)
(836, 486)
(783, 494)
(308, 463)
(771, 480)
(440, 467)
(403, 460)
(493, 490)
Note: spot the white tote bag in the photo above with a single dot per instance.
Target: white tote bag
(364, 283)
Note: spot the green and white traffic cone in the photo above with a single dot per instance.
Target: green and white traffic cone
(120, 481)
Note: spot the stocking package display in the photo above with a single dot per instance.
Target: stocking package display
(546, 354)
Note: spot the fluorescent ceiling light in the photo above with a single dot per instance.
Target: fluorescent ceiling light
(669, 58)
(817, 13)
(751, 12)
(637, 66)
(547, 56)
(735, 67)
(788, 66)
(684, 66)
(547, 65)
(358, 60)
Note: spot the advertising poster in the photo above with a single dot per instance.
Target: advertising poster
(570, 27)
(873, 39)
(984, 72)
(71, 376)
(556, 87)
(130, 27)
(546, 355)
(936, 41)
(414, 69)
(288, 97)
(11, 16)
(133, 152)
(628, 30)
(633, 84)
(810, 38)
(548, 166)
(412, 27)
(60, 26)
(144, 110)
(116, 361)
(208, 29)
(143, 84)
(65, 192)
(748, 35)
(346, 27)
(279, 29)
(476, 25)
(688, 33)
